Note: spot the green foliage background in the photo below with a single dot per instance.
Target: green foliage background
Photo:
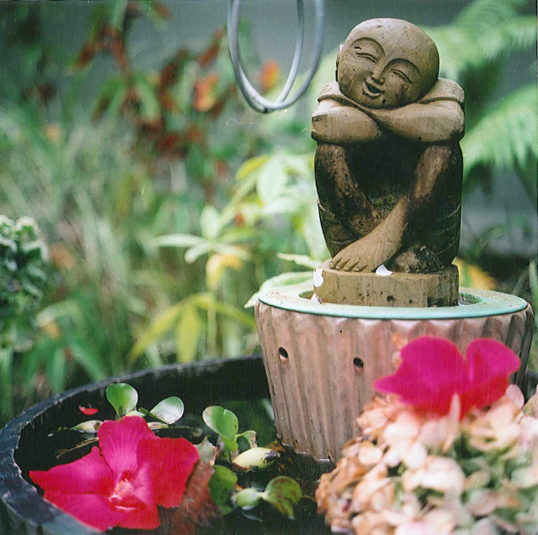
(161, 222)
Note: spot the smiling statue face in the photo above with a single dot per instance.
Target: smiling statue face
(387, 63)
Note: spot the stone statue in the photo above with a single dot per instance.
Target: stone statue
(388, 164)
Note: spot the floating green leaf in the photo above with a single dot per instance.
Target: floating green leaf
(255, 459)
(207, 451)
(221, 486)
(247, 440)
(283, 493)
(90, 426)
(248, 498)
(122, 397)
(168, 410)
(223, 422)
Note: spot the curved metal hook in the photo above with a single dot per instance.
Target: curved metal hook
(253, 98)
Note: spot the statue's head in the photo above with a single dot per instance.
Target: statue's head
(387, 63)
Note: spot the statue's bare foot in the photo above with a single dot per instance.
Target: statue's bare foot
(415, 259)
(362, 255)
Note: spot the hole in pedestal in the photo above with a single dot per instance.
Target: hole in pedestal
(358, 364)
(283, 354)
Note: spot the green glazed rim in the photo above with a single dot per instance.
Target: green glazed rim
(473, 304)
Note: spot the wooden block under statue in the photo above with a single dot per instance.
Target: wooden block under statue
(439, 289)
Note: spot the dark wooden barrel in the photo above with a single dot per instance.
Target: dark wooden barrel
(25, 444)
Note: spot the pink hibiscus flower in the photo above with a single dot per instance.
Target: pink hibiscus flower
(122, 482)
(433, 370)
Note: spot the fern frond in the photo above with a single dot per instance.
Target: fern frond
(480, 16)
(484, 31)
(507, 136)
(516, 34)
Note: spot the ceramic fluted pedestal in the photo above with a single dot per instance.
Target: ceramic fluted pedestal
(321, 359)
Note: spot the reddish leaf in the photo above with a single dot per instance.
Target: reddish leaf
(270, 75)
(208, 56)
(88, 411)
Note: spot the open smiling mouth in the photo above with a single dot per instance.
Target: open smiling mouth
(371, 90)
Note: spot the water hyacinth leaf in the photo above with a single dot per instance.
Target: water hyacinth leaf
(90, 426)
(283, 493)
(208, 452)
(248, 498)
(137, 413)
(255, 459)
(221, 486)
(168, 410)
(122, 397)
(247, 440)
(155, 426)
(223, 422)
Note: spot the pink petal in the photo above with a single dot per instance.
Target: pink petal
(172, 461)
(432, 370)
(144, 483)
(91, 474)
(92, 509)
(490, 363)
(88, 411)
(119, 442)
(143, 518)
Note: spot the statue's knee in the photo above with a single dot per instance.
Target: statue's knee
(443, 155)
(327, 154)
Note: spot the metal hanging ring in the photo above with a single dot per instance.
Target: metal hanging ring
(253, 98)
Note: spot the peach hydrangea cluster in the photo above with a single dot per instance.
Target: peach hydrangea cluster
(453, 461)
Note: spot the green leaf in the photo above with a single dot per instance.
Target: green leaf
(210, 222)
(250, 166)
(283, 493)
(90, 360)
(247, 440)
(222, 421)
(117, 13)
(248, 498)
(56, 367)
(188, 333)
(169, 410)
(150, 107)
(301, 260)
(178, 240)
(272, 180)
(504, 137)
(162, 323)
(221, 486)
(192, 254)
(122, 397)
(284, 279)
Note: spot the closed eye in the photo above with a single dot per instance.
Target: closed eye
(402, 75)
(365, 55)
